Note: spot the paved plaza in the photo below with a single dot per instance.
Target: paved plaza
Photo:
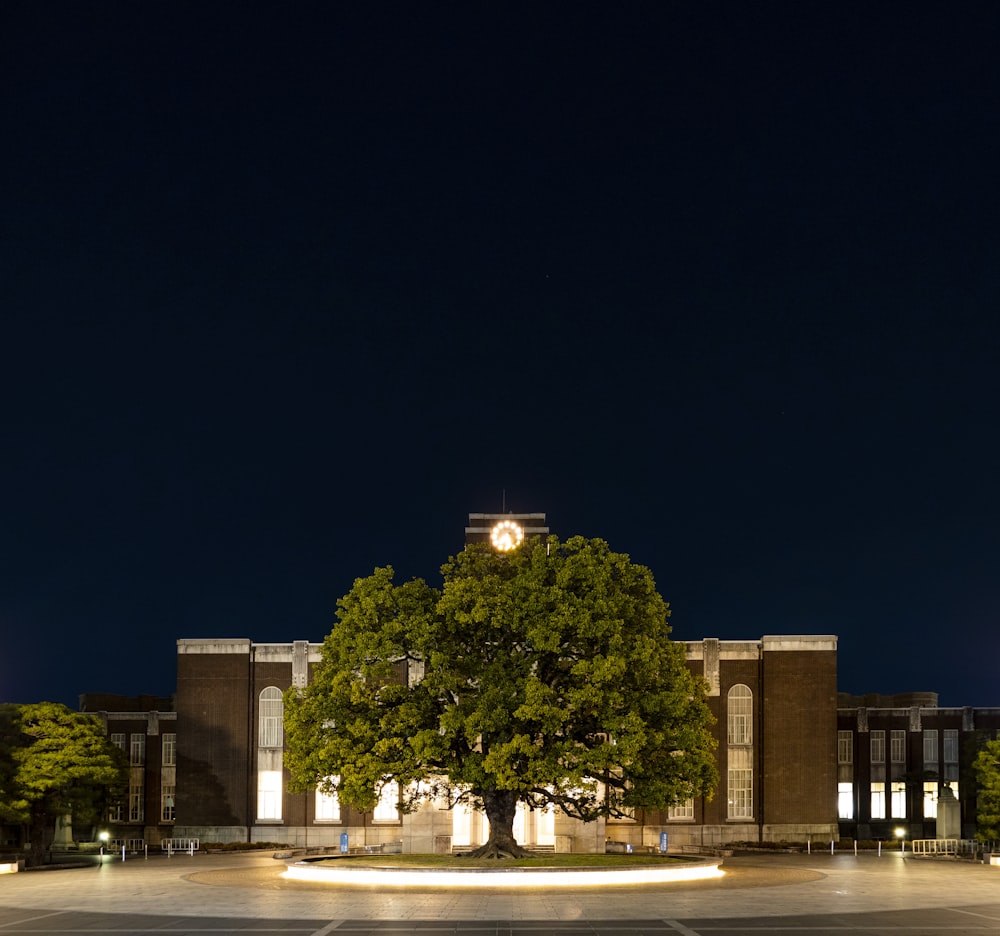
(790, 895)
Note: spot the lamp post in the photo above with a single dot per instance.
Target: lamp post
(103, 836)
(901, 835)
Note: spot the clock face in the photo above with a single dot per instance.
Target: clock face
(506, 535)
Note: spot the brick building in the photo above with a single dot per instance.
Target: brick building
(145, 728)
(210, 765)
(774, 700)
(904, 763)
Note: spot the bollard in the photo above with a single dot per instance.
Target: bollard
(831, 846)
(191, 847)
(145, 852)
(855, 848)
(123, 852)
(880, 848)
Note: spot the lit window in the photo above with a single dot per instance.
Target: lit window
(137, 750)
(682, 811)
(845, 800)
(272, 710)
(740, 784)
(387, 807)
(327, 806)
(878, 800)
(269, 794)
(169, 750)
(898, 799)
(930, 798)
(878, 747)
(740, 715)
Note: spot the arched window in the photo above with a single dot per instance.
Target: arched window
(740, 712)
(272, 711)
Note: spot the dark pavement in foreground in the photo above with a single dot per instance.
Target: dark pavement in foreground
(786, 895)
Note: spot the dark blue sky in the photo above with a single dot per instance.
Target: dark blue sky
(286, 291)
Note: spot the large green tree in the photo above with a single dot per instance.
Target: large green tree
(544, 675)
(987, 769)
(54, 762)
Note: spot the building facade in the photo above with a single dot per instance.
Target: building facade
(145, 728)
(904, 765)
(209, 764)
(774, 701)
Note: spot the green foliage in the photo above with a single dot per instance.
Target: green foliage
(987, 768)
(546, 673)
(54, 761)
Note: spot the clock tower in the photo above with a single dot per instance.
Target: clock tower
(504, 531)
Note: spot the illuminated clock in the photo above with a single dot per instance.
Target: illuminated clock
(506, 535)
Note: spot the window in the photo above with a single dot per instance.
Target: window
(878, 800)
(136, 795)
(167, 794)
(878, 747)
(118, 740)
(950, 746)
(115, 813)
(950, 754)
(272, 710)
(327, 806)
(137, 750)
(269, 794)
(845, 800)
(169, 750)
(682, 811)
(897, 796)
(387, 807)
(740, 712)
(897, 747)
(740, 785)
(931, 749)
(930, 797)
(845, 747)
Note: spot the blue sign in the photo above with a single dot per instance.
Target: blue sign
(344, 847)
(664, 842)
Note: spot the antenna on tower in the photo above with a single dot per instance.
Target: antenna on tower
(503, 500)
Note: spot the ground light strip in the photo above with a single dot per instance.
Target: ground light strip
(509, 877)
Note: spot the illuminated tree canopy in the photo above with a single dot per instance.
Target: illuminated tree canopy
(54, 761)
(987, 768)
(543, 675)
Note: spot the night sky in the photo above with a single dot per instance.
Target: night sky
(287, 290)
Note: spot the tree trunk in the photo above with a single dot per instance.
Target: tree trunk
(38, 836)
(500, 806)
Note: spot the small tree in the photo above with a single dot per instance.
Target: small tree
(543, 676)
(54, 759)
(987, 768)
